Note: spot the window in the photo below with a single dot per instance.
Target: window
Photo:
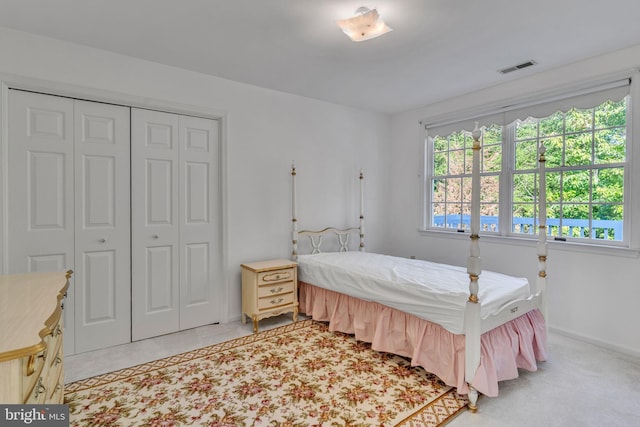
(451, 182)
(586, 163)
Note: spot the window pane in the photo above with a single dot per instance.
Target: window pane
(489, 189)
(553, 152)
(492, 135)
(453, 212)
(611, 145)
(553, 219)
(607, 222)
(578, 120)
(578, 149)
(456, 162)
(440, 163)
(608, 185)
(526, 155)
(522, 218)
(552, 125)
(553, 186)
(576, 186)
(526, 129)
(574, 211)
(456, 140)
(489, 219)
(454, 187)
(524, 188)
(492, 158)
(438, 214)
(466, 190)
(611, 114)
(440, 143)
(439, 190)
(575, 220)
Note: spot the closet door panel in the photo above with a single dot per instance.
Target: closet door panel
(154, 190)
(102, 243)
(40, 190)
(159, 279)
(199, 236)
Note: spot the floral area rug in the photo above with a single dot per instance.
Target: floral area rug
(297, 375)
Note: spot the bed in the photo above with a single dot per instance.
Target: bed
(471, 328)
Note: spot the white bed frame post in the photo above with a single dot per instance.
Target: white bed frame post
(541, 280)
(361, 246)
(294, 219)
(472, 323)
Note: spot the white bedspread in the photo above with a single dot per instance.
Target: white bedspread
(431, 291)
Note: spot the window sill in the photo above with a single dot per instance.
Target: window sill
(573, 247)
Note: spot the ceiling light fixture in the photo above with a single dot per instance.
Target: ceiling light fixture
(364, 25)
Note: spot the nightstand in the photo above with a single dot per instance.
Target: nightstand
(269, 288)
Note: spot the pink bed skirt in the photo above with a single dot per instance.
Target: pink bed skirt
(519, 343)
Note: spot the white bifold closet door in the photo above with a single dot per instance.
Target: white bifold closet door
(175, 231)
(69, 208)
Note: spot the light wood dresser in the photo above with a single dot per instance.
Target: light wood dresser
(269, 288)
(31, 333)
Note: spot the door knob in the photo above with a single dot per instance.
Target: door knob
(102, 240)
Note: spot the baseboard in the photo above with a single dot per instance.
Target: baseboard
(609, 346)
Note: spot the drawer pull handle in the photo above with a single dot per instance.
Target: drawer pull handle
(276, 276)
(275, 291)
(31, 365)
(58, 360)
(40, 388)
(278, 301)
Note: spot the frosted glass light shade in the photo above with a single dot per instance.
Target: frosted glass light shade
(364, 25)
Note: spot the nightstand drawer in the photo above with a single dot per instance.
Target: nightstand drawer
(275, 276)
(275, 301)
(277, 289)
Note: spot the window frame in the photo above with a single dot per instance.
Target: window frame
(630, 239)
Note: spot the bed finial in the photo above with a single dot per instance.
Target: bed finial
(294, 219)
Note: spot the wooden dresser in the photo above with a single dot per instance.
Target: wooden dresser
(31, 332)
(269, 288)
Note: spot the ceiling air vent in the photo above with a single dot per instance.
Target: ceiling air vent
(518, 67)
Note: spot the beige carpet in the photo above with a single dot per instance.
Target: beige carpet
(296, 375)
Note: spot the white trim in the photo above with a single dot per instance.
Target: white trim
(110, 97)
(11, 81)
(625, 351)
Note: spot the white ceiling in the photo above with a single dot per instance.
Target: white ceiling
(437, 49)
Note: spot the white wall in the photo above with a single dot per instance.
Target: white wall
(592, 295)
(264, 132)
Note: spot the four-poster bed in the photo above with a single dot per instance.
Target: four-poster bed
(471, 332)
